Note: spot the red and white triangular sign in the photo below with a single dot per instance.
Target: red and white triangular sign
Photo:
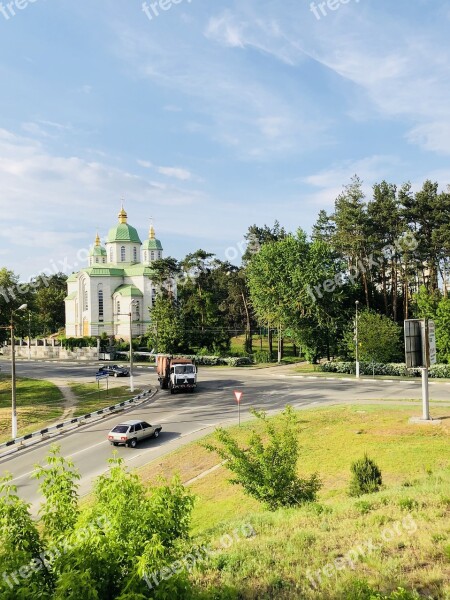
(238, 396)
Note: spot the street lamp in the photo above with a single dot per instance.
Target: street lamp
(356, 339)
(130, 315)
(29, 335)
(13, 374)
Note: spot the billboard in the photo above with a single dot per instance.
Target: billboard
(420, 343)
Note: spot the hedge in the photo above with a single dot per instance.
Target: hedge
(389, 369)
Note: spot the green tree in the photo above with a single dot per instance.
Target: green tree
(443, 330)
(166, 332)
(49, 308)
(100, 551)
(379, 338)
(268, 472)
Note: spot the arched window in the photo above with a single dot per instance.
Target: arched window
(159, 254)
(104, 260)
(100, 302)
(96, 260)
(137, 310)
(153, 255)
(85, 296)
(135, 254)
(122, 253)
(118, 307)
(110, 255)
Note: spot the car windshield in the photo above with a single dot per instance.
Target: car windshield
(120, 429)
(182, 369)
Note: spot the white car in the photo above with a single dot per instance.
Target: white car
(129, 433)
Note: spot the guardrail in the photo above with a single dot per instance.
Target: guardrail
(18, 442)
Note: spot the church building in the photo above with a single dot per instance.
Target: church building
(116, 282)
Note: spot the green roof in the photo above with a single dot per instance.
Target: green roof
(152, 245)
(97, 251)
(139, 269)
(123, 233)
(103, 271)
(73, 277)
(128, 290)
(71, 296)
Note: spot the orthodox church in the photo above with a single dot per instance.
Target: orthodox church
(116, 283)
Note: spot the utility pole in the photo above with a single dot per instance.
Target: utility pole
(356, 340)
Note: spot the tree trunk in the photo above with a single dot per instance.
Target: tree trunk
(270, 340)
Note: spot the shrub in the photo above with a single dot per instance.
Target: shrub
(262, 356)
(268, 472)
(366, 477)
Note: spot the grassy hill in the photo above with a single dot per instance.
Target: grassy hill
(338, 547)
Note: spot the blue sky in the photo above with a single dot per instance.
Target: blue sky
(209, 117)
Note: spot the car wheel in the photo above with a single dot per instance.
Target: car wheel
(132, 443)
(156, 433)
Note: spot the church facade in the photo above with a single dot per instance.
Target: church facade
(116, 283)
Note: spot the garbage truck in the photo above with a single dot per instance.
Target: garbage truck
(176, 373)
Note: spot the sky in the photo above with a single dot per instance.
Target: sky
(208, 117)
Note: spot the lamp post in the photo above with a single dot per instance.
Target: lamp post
(29, 335)
(130, 316)
(13, 375)
(356, 339)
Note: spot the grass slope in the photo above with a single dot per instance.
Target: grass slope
(407, 522)
(38, 403)
(90, 400)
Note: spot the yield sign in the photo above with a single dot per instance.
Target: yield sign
(238, 396)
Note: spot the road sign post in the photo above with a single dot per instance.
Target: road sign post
(238, 396)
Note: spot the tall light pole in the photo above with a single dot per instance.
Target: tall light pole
(356, 339)
(29, 335)
(131, 346)
(13, 375)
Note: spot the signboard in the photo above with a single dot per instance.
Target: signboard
(98, 377)
(413, 343)
(420, 343)
(238, 396)
(432, 343)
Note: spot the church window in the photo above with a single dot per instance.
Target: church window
(100, 302)
(137, 310)
(122, 253)
(135, 254)
(110, 255)
(146, 256)
(118, 307)
(104, 260)
(85, 296)
(153, 255)
(159, 254)
(96, 260)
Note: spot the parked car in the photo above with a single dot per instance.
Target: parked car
(113, 371)
(129, 433)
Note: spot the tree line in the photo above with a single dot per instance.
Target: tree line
(389, 252)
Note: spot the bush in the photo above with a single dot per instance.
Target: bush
(389, 369)
(366, 477)
(268, 472)
(262, 356)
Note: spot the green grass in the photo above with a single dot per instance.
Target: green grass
(38, 403)
(414, 461)
(89, 400)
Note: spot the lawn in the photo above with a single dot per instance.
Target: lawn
(38, 403)
(408, 521)
(90, 400)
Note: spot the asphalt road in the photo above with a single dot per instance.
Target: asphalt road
(186, 417)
